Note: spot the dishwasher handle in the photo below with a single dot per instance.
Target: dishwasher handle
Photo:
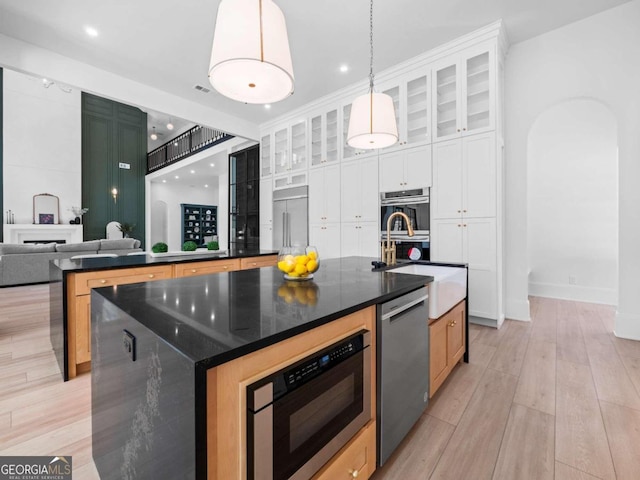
(403, 308)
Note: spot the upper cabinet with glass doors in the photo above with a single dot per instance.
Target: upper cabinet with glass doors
(324, 138)
(290, 160)
(265, 155)
(411, 100)
(464, 94)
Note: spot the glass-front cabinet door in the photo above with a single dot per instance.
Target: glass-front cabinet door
(416, 125)
(464, 94)
(265, 155)
(324, 138)
(298, 159)
(281, 151)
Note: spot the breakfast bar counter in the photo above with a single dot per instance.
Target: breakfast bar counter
(71, 282)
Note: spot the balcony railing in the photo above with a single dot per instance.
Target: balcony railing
(187, 144)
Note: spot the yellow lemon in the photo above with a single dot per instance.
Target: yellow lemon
(282, 265)
(301, 269)
(289, 258)
(312, 255)
(302, 259)
(312, 266)
(293, 274)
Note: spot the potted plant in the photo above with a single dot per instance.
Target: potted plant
(189, 246)
(126, 228)
(160, 247)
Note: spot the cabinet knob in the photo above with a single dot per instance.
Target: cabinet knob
(354, 473)
(151, 275)
(254, 264)
(103, 281)
(452, 324)
(464, 211)
(465, 129)
(464, 224)
(458, 211)
(193, 270)
(225, 267)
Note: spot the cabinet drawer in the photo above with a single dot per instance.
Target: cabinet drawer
(356, 460)
(84, 282)
(204, 268)
(258, 262)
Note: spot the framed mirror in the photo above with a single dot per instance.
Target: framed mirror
(46, 209)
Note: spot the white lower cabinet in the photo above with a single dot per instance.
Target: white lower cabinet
(266, 236)
(326, 238)
(360, 239)
(472, 241)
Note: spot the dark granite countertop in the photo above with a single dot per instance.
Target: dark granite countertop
(129, 261)
(215, 318)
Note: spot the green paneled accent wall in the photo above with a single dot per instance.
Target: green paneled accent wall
(113, 133)
(1, 155)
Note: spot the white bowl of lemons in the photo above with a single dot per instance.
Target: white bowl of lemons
(298, 263)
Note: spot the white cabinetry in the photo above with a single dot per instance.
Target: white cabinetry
(290, 155)
(324, 210)
(324, 138)
(266, 159)
(464, 215)
(405, 169)
(360, 207)
(266, 214)
(465, 177)
(464, 93)
(411, 99)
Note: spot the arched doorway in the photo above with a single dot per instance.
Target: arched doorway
(572, 162)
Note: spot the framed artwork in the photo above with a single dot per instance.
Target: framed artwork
(46, 218)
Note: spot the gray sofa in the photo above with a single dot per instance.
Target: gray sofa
(22, 264)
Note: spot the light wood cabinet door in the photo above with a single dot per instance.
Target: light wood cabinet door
(447, 344)
(455, 334)
(84, 282)
(356, 460)
(438, 366)
(194, 269)
(83, 328)
(258, 262)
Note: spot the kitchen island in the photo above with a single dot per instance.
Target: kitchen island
(72, 280)
(172, 359)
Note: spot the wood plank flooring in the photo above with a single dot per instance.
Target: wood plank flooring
(557, 398)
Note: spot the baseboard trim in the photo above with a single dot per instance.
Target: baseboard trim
(487, 322)
(605, 296)
(627, 326)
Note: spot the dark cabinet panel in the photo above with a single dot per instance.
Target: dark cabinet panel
(114, 152)
(199, 223)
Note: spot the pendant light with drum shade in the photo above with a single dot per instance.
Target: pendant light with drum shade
(372, 123)
(250, 57)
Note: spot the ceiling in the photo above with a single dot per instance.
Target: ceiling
(167, 44)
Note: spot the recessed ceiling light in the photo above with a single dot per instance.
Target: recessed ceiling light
(164, 181)
(193, 171)
(91, 31)
(169, 126)
(267, 106)
(177, 177)
(206, 186)
(344, 68)
(213, 164)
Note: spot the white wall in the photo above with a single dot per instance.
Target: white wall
(175, 194)
(42, 145)
(24, 57)
(597, 58)
(573, 203)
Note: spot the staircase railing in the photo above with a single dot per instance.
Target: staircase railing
(189, 143)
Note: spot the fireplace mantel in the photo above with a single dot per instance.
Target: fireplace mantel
(21, 233)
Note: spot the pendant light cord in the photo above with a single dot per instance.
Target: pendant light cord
(371, 45)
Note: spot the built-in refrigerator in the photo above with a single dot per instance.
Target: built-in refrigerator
(290, 217)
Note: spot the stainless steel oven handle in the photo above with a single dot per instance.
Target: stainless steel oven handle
(402, 308)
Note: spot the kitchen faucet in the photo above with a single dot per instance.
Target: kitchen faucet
(388, 255)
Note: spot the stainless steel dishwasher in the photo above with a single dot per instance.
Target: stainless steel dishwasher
(403, 367)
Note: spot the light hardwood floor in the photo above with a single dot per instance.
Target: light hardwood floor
(555, 398)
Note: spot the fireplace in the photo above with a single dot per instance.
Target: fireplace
(45, 241)
(42, 233)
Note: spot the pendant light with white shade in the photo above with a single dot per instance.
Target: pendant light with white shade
(250, 57)
(372, 123)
